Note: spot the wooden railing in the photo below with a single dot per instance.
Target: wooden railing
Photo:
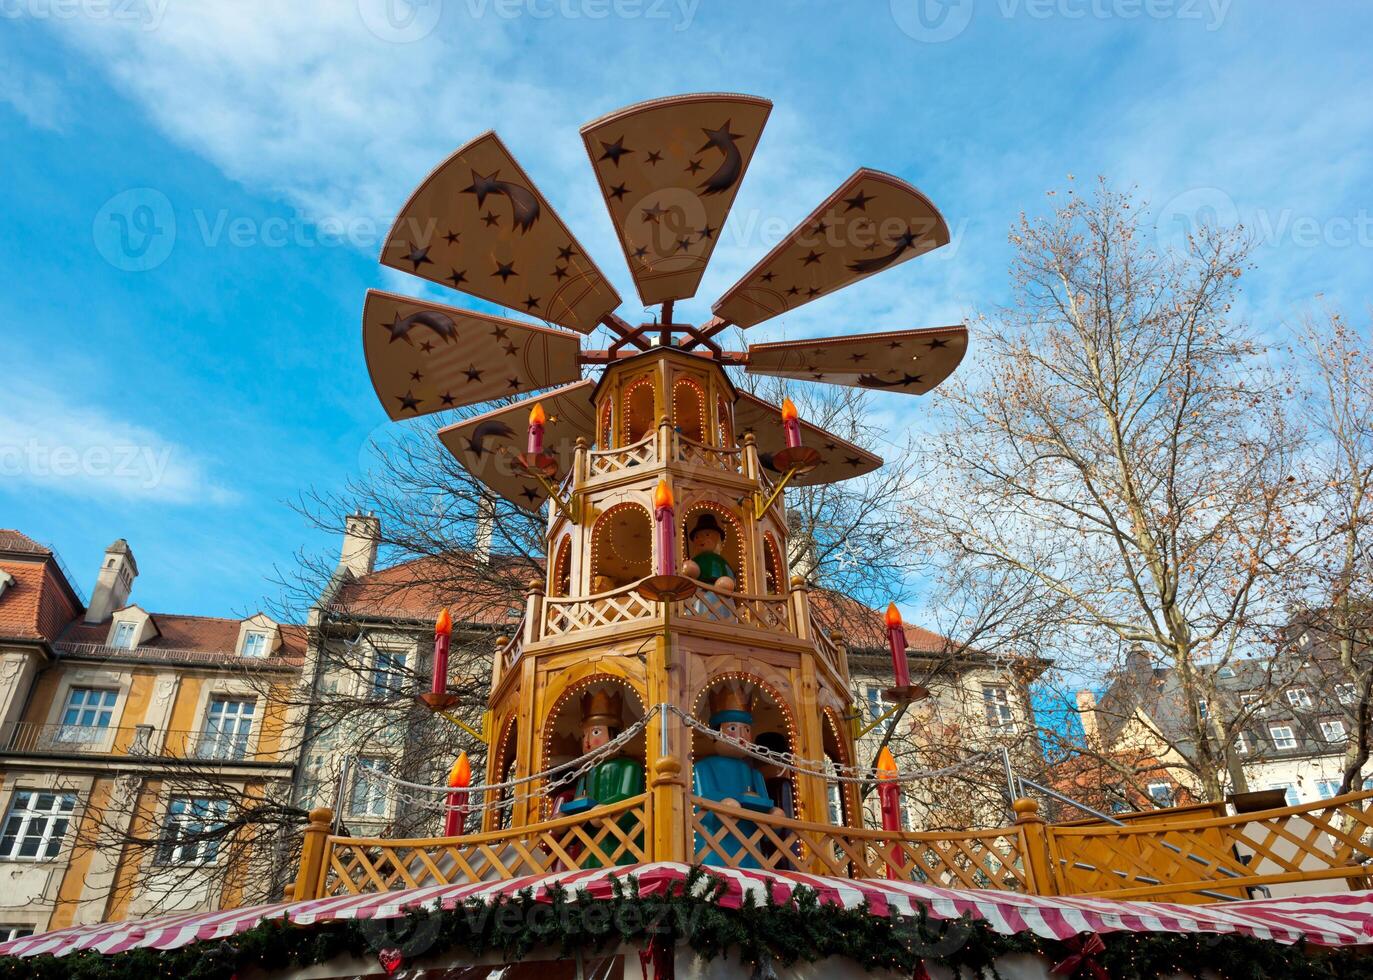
(732, 836)
(610, 835)
(764, 612)
(599, 462)
(694, 453)
(570, 615)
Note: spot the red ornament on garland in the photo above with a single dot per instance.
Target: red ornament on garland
(1085, 950)
(391, 959)
(920, 972)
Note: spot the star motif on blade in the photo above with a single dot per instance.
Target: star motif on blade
(510, 349)
(831, 446)
(938, 342)
(859, 202)
(498, 332)
(683, 244)
(457, 277)
(695, 167)
(811, 258)
(853, 461)
(721, 138)
(653, 214)
(529, 494)
(858, 357)
(472, 373)
(531, 302)
(427, 346)
(490, 219)
(505, 270)
(513, 384)
(641, 252)
(408, 400)
(560, 272)
(566, 252)
(613, 151)
(416, 376)
(768, 276)
(654, 157)
(483, 185)
(419, 256)
(818, 375)
(707, 232)
(400, 330)
(820, 228)
(619, 191)
(452, 238)
(792, 290)
(894, 345)
(812, 293)
(446, 398)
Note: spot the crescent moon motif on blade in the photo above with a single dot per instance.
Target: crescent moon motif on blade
(524, 205)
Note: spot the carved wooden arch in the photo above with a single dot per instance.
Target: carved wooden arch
(500, 772)
(605, 426)
(724, 422)
(566, 685)
(599, 546)
(832, 727)
(735, 551)
(639, 419)
(774, 568)
(700, 423)
(560, 582)
(698, 702)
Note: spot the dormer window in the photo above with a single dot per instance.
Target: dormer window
(125, 636)
(6, 580)
(254, 644)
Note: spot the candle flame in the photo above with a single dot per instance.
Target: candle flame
(789, 413)
(460, 776)
(662, 497)
(893, 617)
(886, 764)
(443, 626)
(536, 414)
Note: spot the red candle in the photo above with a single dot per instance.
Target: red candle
(791, 424)
(459, 778)
(536, 421)
(889, 798)
(896, 637)
(666, 526)
(443, 635)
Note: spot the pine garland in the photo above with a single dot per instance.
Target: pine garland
(763, 936)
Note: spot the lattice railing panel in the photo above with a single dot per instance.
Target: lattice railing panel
(764, 612)
(603, 461)
(992, 859)
(698, 454)
(624, 605)
(1222, 856)
(608, 836)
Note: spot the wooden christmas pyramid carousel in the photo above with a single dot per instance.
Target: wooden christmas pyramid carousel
(668, 598)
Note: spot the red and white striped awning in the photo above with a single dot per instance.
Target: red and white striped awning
(1337, 919)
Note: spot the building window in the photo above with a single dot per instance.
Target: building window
(88, 713)
(8, 932)
(1289, 791)
(1328, 788)
(1282, 738)
(1253, 703)
(1299, 697)
(1333, 731)
(368, 796)
(255, 644)
(1345, 692)
(228, 724)
(124, 636)
(35, 825)
(187, 822)
(1161, 793)
(997, 702)
(877, 704)
(388, 674)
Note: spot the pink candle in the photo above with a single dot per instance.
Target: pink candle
(666, 526)
(896, 637)
(443, 635)
(791, 424)
(536, 421)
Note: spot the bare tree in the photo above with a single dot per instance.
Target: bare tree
(1122, 454)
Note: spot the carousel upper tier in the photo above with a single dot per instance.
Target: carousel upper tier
(669, 170)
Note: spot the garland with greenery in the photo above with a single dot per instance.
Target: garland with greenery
(767, 937)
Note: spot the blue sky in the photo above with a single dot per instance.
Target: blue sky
(181, 343)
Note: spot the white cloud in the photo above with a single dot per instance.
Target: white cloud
(50, 442)
(35, 97)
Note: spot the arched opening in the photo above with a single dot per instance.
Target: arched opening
(562, 568)
(689, 409)
(774, 573)
(638, 409)
(621, 547)
(504, 755)
(724, 422)
(605, 431)
(839, 795)
(731, 548)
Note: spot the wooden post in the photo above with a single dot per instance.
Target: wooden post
(533, 612)
(310, 878)
(667, 440)
(1039, 879)
(581, 464)
(750, 456)
(667, 780)
(800, 608)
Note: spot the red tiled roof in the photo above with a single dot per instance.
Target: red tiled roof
(39, 600)
(418, 589)
(11, 540)
(865, 629)
(207, 634)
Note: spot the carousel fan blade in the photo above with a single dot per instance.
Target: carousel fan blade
(909, 361)
(424, 357)
(840, 459)
(874, 221)
(669, 170)
(478, 224)
(488, 444)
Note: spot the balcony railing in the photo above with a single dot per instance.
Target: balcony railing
(28, 738)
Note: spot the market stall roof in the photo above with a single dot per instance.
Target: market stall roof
(1336, 919)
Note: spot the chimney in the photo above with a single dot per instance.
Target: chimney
(113, 583)
(1086, 709)
(360, 534)
(486, 526)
